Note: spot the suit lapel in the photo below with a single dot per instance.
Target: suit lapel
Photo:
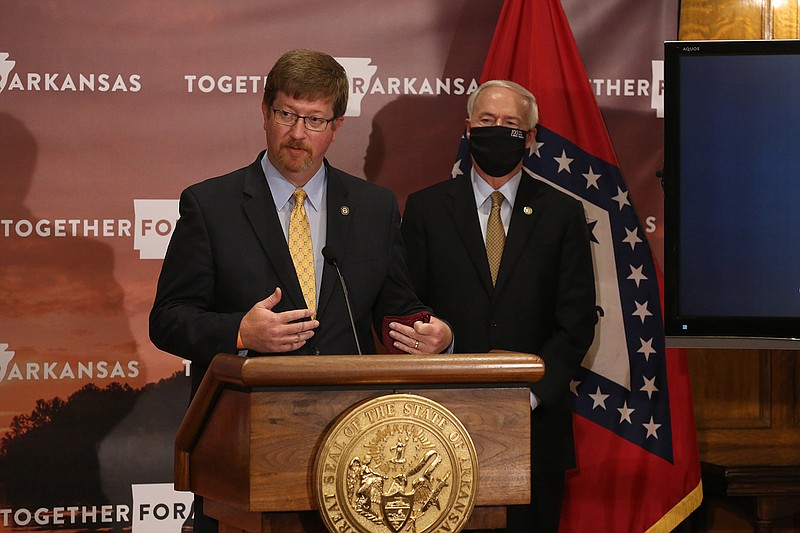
(523, 220)
(464, 212)
(338, 227)
(258, 206)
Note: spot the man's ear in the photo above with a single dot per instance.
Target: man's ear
(264, 111)
(530, 137)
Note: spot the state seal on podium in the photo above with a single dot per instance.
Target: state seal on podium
(398, 463)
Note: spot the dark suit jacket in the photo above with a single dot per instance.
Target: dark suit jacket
(228, 252)
(544, 300)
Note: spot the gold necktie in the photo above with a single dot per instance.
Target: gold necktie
(301, 249)
(495, 236)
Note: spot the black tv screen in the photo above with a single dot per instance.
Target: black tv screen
(732, 193)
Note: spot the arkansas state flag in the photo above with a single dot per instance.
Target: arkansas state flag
(637, 461)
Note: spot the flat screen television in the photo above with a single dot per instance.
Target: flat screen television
(732, 194)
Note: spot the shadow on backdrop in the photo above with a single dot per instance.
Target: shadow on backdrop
(77, 441)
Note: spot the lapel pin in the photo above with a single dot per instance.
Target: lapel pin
(527, 210)
(344, 210)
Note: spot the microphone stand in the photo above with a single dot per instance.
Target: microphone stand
(330, 257)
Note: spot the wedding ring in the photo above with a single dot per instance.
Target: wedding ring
(416, 345)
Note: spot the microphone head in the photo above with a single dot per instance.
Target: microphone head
(330, 255)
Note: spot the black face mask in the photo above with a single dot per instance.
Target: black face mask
(497, 149)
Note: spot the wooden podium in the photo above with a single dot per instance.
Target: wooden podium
(249, 439)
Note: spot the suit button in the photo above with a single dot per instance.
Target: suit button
(492, 324)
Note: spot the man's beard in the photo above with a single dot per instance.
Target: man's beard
(294, 164)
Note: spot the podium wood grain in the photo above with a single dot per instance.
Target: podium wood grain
(252, 432)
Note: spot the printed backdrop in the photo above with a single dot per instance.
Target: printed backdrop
(108, 110)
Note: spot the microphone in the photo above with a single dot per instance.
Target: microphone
(330, 257)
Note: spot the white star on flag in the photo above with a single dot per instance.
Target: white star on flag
(646, 348)
(637, 275)
(456, 169)
(649, 387)
(625, 413)
(642, 311)
(632, 238)
(563, 162)
(652, 427)
(599, 399)
(591, 179)
(621, 198)
(534, 149)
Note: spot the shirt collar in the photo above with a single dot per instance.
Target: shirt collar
(282, 190)
(483, 190)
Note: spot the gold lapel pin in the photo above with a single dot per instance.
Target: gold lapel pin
(344, 210)
(527, 210)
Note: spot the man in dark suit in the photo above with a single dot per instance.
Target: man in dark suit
(232, 283)
(537, 297)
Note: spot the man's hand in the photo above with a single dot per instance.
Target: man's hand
(264, 331)
(432, 337)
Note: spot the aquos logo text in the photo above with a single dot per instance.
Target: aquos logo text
(11, 370)
(64, 82)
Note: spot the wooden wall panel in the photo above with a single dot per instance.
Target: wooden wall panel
(721, 19)
(796, 406)
(767, 385)
(785, 19)
(730, 388)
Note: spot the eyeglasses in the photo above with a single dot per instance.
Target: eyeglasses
(287, 118)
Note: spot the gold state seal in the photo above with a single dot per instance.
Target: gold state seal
(396, 463)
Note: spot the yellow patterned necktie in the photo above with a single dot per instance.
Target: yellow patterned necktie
(301, 249)
(495, 235)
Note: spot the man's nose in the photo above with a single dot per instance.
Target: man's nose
(298, 130)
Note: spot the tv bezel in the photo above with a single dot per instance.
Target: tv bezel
(692, 331)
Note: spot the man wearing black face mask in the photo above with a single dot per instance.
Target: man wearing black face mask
(521, 281)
